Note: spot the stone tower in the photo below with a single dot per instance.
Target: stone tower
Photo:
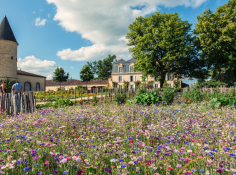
(8, 51)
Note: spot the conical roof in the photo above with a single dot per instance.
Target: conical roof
(6, 32)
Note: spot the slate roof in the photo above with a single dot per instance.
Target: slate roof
(20, 72)
(75, 82)
(132, 60)
(6, 32)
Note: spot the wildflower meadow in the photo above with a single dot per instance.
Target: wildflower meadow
(118, 139)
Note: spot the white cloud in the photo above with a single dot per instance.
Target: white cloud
(39, 22)
(49, 77)
(49, 15)
(37, 66)
(33, 11)
(72, 67)
(105, 23)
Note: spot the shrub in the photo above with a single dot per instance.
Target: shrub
(142, 89)
(164, 84)
(194, 95)
(176, 84)
(148, 98)
(137, 84)
(168, 96)
(120, 97)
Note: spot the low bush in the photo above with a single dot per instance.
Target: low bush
(148, 98)
(168, 96)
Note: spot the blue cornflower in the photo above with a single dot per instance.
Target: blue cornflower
(92, 141)
(27, 168)
(12, 132)
(121, 160)
(202, 171)
(65, 172)
(81, 144)
(124, 165)
(36, 164)
(93, 146)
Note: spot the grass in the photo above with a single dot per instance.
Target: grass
(111, 139)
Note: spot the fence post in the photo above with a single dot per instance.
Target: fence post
(0, 101)
(101, 94)
(211, 90)
(75, 95)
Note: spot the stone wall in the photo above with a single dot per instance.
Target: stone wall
(8, 59)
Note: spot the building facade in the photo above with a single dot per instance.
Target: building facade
(123, 71)
(8, 61)
(72, 83)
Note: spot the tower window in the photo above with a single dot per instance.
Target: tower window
(12, 58)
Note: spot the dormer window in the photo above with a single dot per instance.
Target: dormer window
(120, 69)
(131, 69)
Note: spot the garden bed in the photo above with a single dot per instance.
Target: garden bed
(111, 139)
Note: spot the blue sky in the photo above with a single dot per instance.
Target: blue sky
(68, 33)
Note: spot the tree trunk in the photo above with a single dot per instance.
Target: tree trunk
(60, 85)
(162, 80)
(86, 86)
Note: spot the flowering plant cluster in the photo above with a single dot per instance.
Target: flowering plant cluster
(136, 139)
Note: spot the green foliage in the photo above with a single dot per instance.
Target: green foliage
(61, 88)
(9, 83)
(120, 97)
(125, 84)
(165, 84)
(86, 74)
(195, 95)
(103, 68)
(216, 37)
(142, 89)
(78, 87)
(168, 96)
(137, 84)
(150, 84)
(114, 84)
(63, 102)
(212, 83)
(148, 98)
(176, 83)
(163, 43)
(219, 102)
(59, 75)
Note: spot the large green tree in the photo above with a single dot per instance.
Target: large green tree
(103, 68)
(217, 38)
(59, 75)
(86, 74)
(163, 44)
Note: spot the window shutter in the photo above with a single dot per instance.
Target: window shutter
(172, 77)
(122, 78)
(117, 78)
(134, 86)
(166, 77)
(153, 85)
(129, 87)
(146, 79)
(134, 77)
(129, 78)
(153, 79)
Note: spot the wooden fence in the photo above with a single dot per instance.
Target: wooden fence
(221, 89)
(14, 104)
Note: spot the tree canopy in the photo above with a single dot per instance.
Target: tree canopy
(59, 75)
(103, 68)
(86, 74)
(217, 37)
(163, 44)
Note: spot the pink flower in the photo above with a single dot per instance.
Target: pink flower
(68, 158)
(46, 162)
(170, 168)
(189, 172)
(187, 159)
(142, 144)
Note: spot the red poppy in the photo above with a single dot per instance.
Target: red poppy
(151, 141)
(77, 137)
(131, 141)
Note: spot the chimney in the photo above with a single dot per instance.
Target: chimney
(115, 60)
